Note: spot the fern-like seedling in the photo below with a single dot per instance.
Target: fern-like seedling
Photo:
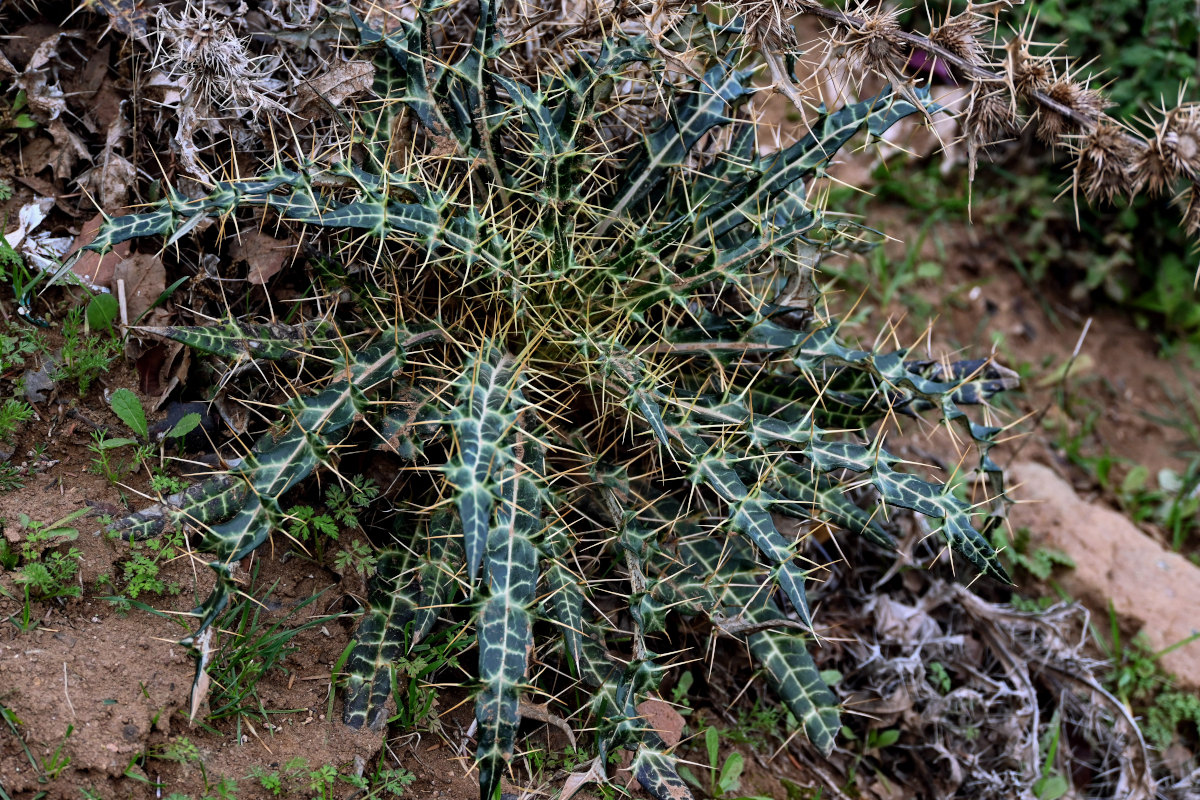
(603, 398)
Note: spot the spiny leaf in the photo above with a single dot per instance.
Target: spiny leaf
(795, 678)
(566, 600)
(782, 652)
(781, 171)
(213, 500)
(655, 771)
(504, 627)
(896, 488)
(701, 108)
(400, 75)
(402, 606)
(809, 496)
(748, 514)
(481, 423)
(233, 339)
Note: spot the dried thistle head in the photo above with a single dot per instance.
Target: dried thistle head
(1075, 97)
(876, 45)
(1025, 72)
(1191, 217)
(991, 117)
(1178, 139)
(1104, 161)
(218, 73)
(766, 24)
(1149, 172)
(960, 36)
(1172, 152)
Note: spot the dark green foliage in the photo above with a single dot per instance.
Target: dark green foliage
(614, 395)
(403, 608)
(1146, 48)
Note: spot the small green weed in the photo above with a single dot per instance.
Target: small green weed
(184, 752)
(165, 484)
(1138, 680)
(1173, 505)
(1039, 563)
(759, 723)
(12, 477)
(343, 505)
(10, 259)
(128, 408)
(58, 761)
(346, 504)
(13, 412)
(15, 117)
(413, 692)
(141, 570)
(298, 779)
(679, 693)
(725, 777)
(938, 677)
(17, 342)
(109, 464)
(544, 762)
(1167, 713)
(1052, 784)
(106, 461)
(41, 572)
(877, 740)
(1017, 555)
(250, 649)
(306, 525)
(84, 357)
(358, 557)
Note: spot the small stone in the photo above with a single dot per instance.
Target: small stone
(1155, 590)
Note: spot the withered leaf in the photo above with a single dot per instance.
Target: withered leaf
(145, 281)
(93, 268)
(331, 88)
(264, 254)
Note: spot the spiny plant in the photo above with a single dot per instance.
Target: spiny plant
(598, 363)
(1024, 85)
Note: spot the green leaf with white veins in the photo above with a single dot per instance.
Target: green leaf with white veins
(749, 515)
(403, 599)
(505, 623)
(484, 417)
